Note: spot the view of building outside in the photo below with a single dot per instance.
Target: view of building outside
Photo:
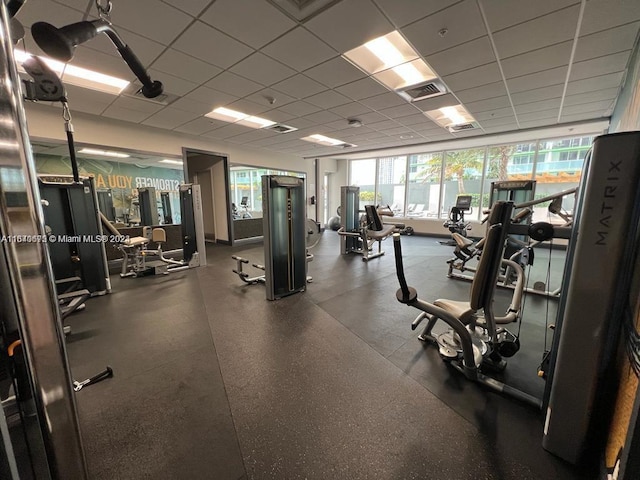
(245, 185)
(428, 184)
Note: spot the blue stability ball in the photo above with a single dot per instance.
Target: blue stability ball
(334, 223)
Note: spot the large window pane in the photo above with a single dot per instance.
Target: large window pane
(423, 192)
(559, 167)
(363, 175)
(391, 182)
(462, 175)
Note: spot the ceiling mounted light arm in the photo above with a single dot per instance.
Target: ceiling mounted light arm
(61, 43)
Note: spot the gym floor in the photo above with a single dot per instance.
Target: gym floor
(212, 381)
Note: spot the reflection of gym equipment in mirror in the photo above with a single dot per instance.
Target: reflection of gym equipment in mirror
(139, 260)
(242, 212)
(593, 305)
(286, 243)
(358, 233)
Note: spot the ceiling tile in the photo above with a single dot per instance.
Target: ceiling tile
(210, 97)
(403, 12)
(256, 23)
(606, 94)
(172, 84)
(474, 77)
(183, 66)
(124, 114)
(270, 97)
(604, 43)
(489, 104)
(384, 100)
(169, 118)
(372, 117)
(538, 94)
(496, 89)
(193, 106)
(322, 117)
(262, 69)
(166, 24)
(538, 106)
(545, 122)
(192, 7)
(229, 130)
(278, 116)
(328, 99)
(433, 103)
(198, 126)
(599, 15)
(538, 60)
(600, 66)
(288, 50)
(497, 122)
(583, 116)
(602, 106)
(463, 57)
(211, 46)
(528, 117)
(88, 101)
(254, 135)
(505, 13)
(350, 24)
(136, 105)
(417, 119)
(353, 109)
(400, 111)
(363, 88)
(541, 32)
(248, 107)
(463, 22)
(335, 72)
(496, 113)
(383, 125)
(79, 5)
(555, 76)
(299, 108)
(594, 84)
(299, 86)
(102, 62)
(233, 84)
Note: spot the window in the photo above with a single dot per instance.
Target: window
(363, 175)
(462, 175)
(391, 182)
(423, 190)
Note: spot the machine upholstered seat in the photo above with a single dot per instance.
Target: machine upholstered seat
(461, 310)
(461, 242)
(135, 242)
(381, 234)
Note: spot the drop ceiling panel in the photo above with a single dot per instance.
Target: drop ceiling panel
(411, 120)
(164, 25)
(125, 114)
(33, 11)
(262, 69)
(229, 130)
(254, 135)
(279, 116)
(169, 118)
(192, 7)
(492, 114)
(211, 97)
(384, 125)
(400, 111)
(602, 106)
(541, 32)
(184, 66)
(193, 106)
(538, 60)
(211, 46)
(136, 105)
(403, 12)
(583, 116)
(353, 109)
(538, 106)
(350, 24)
(363, 88)
(594, 84)
(287, 49)
(496, 89)
(198, 126)
(542, 114)
(555, 76)
(509, 121)
(88, 101)
(172, 84)
(80, 5)
(299, 108)
(335, 72)
(256, 23)
(265, 95)
(506, 13)
(606, 94)
(537, 95)
(463, 22)
(600, 66)
(328, 99)
(299, 86)
(488, 104)
(385, 100)
(322, 117)
(372, 117)
(463, 57)
(607, 42)
(598, 15)
(474, 77)
(102, 62)
(245, 106)
(233, 84)
(433, 103)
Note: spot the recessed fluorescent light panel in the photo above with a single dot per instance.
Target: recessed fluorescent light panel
(322, 140)
(392, 61)
(104, 153)
(450, 116)
(172, 162)
(233, 116)
(80, 77)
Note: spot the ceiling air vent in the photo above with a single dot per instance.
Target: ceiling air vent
(429, 89)
(134, 90)
(346, 145)
(462, 127)
(281, 128)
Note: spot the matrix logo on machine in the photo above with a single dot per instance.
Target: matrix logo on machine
(608, 202)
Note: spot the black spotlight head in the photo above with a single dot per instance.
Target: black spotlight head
(153, 90)
(60, 43)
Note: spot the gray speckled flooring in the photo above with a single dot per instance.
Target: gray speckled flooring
(212, 381)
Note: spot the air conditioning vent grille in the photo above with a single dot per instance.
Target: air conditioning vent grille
(464, 126)
(430, 89)
(281, 128)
